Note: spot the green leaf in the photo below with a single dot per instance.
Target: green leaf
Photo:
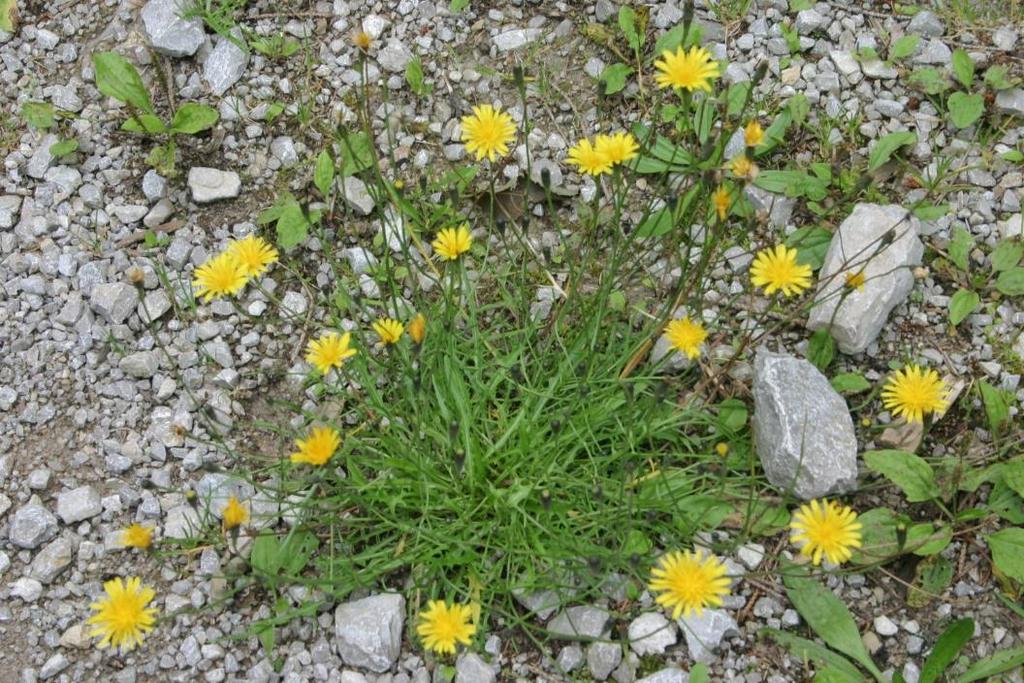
(997, 405)
(821, 349)
(675, 37)
(627, 22)
(39, 115)
(323, 174)
(960, 247)
(994, 664)
(1007, 546)
(1004, 502)
(965, 109)
(736, 97)
(8, 15)
(457, 5)
(732, 414)
(887, 146)
(961, 305)
(292, 226)
(850, 383)
(997, 79)
(933, 576)
(1013, 475)
(144, 123)
(1011, 282)
(947, 647)
(614, 77)
(931, 212)
(811, 244)
(63, 148)
(1006, 255)
(792, 184)
(963, 67)
(117, 78)
(910, 473)
(1014, 155)
(414, 77)
(809, 650)
(929, 81)
(356, 154)
(192, 118)
(829, 618)
(656, 224)
(699, 673)
(904, 47)
(799, 106)
(924, 540)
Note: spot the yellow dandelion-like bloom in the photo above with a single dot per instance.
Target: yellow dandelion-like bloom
(721, 200)
(776, 270)
(913, 392)
(451, 243)
(743, 168)
(362, 40)
(688, 582)
(331, 350)
(487, 132)
(753, 134)
(254, 255)
(589, 159)
(690, 70)
(442, 626)
(220, 275)
(318, 447)
(137, 536)
(722, 448)
(122, 617)
(856, 281)
(686, 336)
(389, 330)
(417, 328)
(825, 528)
(617, 148)
(234, 514)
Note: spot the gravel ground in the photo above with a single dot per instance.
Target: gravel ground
(103, 424)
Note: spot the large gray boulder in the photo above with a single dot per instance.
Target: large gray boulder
(802, 428)
(881, 242)
(368, 632)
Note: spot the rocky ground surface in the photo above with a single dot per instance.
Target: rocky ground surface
(104, 422)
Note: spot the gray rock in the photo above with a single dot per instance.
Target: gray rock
(778, 207)
(542, 603)
(10, 205)
(357, 195)
(750, 555)
(1005, 39)
(140, 365)
(360, 260)
(471, 668)
(581, 622)
(876, 68)
(884, 626)
(926, 23)
(368, 632)
(934, 52)
(283, 149)
(569, 658)
(168, 33)
(53, 666)
(41, 159)
(651, 634)
(115, 301)
(130, 213)
(669, 675)
(154, 186)
(26, 588)
(845, 62)
(153, 306)
(602, 658)
(1011, 101)
(516, 38)
(159, 214)
(394, 56)
(704, 633)
(1012, 226)
(210, 184)
(51, 560)
(802, 428)
(881, 243)
(32, 525)
(225, 64)
(78, 504)
(808, 21)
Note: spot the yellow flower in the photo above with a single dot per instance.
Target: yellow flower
(742, 167)
(721, 200)
(329, 351)
(442, 626)
(722, 448)
(488, 132)
(451, 243)
(589, 159)
(693, 70)
(686, 336)
(688, 582)
(254, 255)
(318, 447)
(122, 617)
(777, 270)
(220, 275)
(234, 514)
(753, 134)
(617, 148)
(825, 528)
(913, 392)
(389, 330)
(362, 40)
(137, 536)
(855, 280)
(417, 328)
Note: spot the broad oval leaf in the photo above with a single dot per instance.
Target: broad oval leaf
(965, 109)
(887, 146)
(1007, 548)
(192, 118)
(1011, 282)
(961, 305)
(117, 78)
(910, 473)
(963, 67)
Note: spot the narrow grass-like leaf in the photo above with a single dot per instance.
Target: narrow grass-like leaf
(887, 146)
(993, 665)
(947, 647)
(809, 650)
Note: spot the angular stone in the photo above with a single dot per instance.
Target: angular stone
(168, 33)
(79, 504)
(581, 622)
(543, 603)
(881, 243)
(360, 260)
(394, 57)
(225, 64)
(876, 68)
(115, 301)
(705, 633)
(933, 52)
(51, 560)
(153, 306)
(651, 634)
(53, 666)
(210, 184)
(471, 668)
(516, 38)
(1012, 226)
(669, 675)
(926, 23)
(845, 62)
(802, 428)
(808, 21)
(141, 365)
(602, 658)
(368, 632)
(26, 588)
(41, 159)
(778, 207)
(1011, 101)
(357, 195)
(32, 525)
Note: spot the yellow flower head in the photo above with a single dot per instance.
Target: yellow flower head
(122, 617)
(329, 351)
(254, 255)
(451, 243)
(914, 392)
(137, 536)
(389, 330)
(743, 168)
(234, 514)
(220, 275)
(442, 626)
(318, 447)
(776, 270)
(417, 328)
(362, 40)
(856, 280)
(753, 134)
(617, 148)
(688, 582)
(690, 70)
(721, 200)
(825, 528)
(686, 336)
(487, 132)
(722, 448)
(589, 159)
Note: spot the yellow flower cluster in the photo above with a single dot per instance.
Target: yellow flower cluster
(604, 154)
(227, 273)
